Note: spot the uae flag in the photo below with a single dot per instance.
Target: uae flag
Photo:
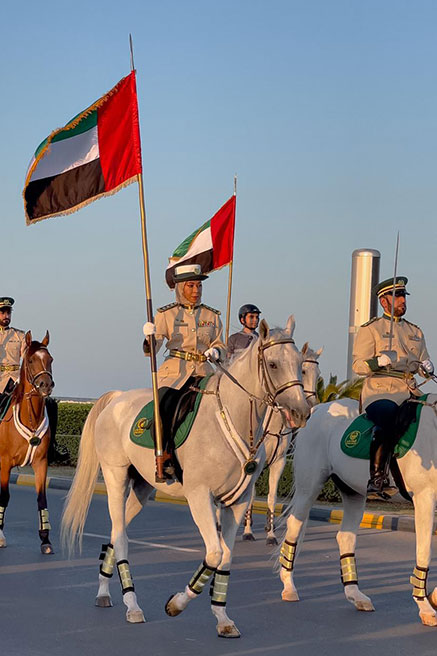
(211, 246)
(96, 154)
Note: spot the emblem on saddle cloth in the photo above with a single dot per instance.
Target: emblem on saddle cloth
(358, 436)
(140, 432)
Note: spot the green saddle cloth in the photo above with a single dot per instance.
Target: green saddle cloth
(140, 432)
(356, 439)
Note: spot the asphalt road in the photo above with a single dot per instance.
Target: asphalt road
(47, 602)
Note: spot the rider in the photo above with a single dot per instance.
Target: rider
(193, 334)
(249, 318)
(12, 347)
(389, 374)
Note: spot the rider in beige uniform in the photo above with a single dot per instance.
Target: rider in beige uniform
(12, 346)
(389, 374)
(193, 335)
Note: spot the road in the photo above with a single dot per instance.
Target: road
(47, 602)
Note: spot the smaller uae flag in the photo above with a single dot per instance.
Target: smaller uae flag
(96, 154)
(211, 246)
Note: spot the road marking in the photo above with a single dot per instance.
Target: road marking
(146, 544)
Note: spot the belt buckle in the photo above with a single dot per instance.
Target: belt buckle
(190, 356)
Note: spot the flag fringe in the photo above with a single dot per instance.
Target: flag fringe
(84, 203)
(73, 123)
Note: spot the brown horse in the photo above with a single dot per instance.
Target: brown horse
(25, 432)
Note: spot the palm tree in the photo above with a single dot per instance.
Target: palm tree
(333, 390)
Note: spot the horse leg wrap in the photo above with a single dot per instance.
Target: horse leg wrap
(2, 516)
(127, 585)
(418, 581)
(219, 587)
(248, 517)
(270, 524)
(44, 524)
(107, 557)
(200, 578)
(348, 569)
(287, 555)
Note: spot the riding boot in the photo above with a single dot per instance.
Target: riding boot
(380, 455)
(5, 397)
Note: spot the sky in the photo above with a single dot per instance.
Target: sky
(325, 111)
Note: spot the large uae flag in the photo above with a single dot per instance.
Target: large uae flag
(211, 246)
(96, 154)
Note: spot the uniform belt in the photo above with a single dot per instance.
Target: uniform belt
(9, 367)
(186, 355)
(406, 375)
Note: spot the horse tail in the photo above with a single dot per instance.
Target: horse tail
(79, 496)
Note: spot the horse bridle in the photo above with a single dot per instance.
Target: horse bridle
(32, 378)
(273, 392)
(310, 393)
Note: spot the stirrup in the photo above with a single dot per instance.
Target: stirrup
(380, 490)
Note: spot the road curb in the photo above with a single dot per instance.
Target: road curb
(331, 515)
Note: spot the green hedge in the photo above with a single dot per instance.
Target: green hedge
(71, 418)
(329, 491)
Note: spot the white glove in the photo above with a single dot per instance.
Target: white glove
(426, 368)
(149, 328)
(212, 354)
(386, 358)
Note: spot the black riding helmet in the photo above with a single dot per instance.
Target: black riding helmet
(248, 309)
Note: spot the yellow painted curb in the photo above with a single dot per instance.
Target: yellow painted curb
(28, 480)
(369, 520)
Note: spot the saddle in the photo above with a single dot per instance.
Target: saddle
(357, 437)
(178, 410)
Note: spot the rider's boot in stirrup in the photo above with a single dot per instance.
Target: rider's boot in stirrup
(379, 486)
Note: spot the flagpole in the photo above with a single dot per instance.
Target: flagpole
(159, 451)
(231, 263)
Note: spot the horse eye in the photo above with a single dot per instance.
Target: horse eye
(272, 365)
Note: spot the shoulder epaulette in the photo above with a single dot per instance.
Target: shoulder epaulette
(207, 307)
(413, 324)
(370, 321)
(164, 308)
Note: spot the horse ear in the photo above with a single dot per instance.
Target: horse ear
(305, 348)
(291, 324)
(45, 341)
(28, 338)
(264, 329)
(319, 352)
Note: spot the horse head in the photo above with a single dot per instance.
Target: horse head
(36, 368)
(281, 364)
(310, 373)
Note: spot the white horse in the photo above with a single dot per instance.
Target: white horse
(277, 445)
(215, 460)
(318, 456)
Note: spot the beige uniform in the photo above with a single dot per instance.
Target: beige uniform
(12, 347)
(189, 332)
(388, 382)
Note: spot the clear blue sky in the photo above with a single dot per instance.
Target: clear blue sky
(325, 110)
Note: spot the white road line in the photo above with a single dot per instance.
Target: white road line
(146, 544)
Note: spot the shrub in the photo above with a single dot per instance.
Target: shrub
(71, 418)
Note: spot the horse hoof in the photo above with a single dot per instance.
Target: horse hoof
(228, 631)
(271, 542)
(428, 620)
(248, 537)
(289, 595)
(364, 605)
(47, 549)
(135, 616)
(104, 602)
(170, 607)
